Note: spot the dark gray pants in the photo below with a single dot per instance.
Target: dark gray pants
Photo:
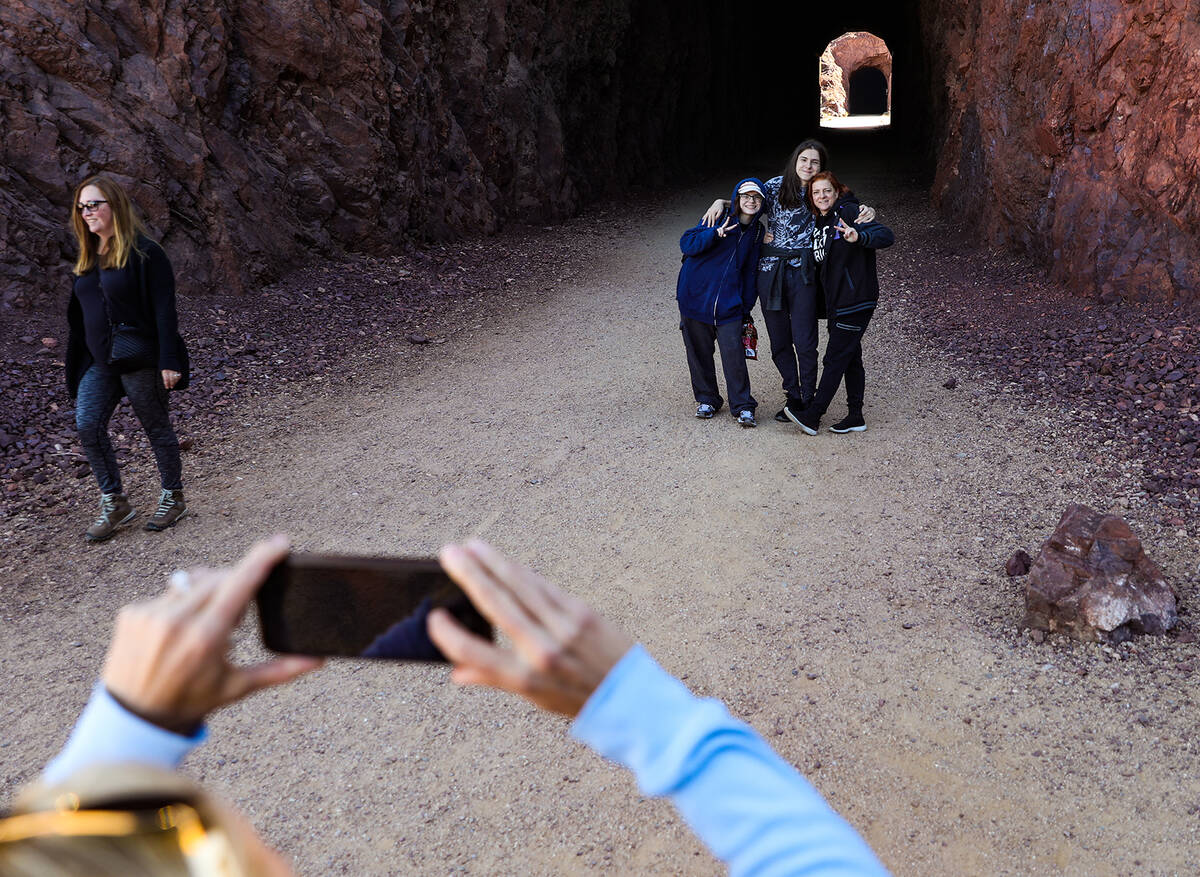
(700, 339)
(793, 335)
(100, 392)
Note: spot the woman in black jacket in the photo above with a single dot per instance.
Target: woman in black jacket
(123, 340)
(844, 252)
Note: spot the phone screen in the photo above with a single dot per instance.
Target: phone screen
(365, 607)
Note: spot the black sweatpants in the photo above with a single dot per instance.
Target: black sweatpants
(843, 359)
(793, 335)
(699, 339)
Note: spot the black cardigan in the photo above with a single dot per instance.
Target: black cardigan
(155, 281)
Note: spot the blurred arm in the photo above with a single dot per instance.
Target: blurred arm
(753, 810)
(107, 733)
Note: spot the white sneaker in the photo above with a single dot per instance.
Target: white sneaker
(704, 411)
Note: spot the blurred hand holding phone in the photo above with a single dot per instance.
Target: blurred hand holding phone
(365, 607)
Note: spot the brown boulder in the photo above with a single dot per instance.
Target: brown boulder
(1018, 564)
(1093, 580)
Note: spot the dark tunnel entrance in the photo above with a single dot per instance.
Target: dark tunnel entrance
(868, 92)
(704, 86)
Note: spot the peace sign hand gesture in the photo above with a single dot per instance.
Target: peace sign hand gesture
(725, 229)
(849, 232)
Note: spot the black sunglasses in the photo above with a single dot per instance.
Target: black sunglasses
(89, 206)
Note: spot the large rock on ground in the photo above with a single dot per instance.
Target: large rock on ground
(1071, 130)
(1093, 580)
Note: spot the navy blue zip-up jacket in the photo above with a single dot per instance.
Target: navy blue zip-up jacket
(717, 282)
(847, 270)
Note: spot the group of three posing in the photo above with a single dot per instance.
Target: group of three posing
(813, 259)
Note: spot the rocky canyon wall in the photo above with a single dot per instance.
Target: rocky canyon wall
(1072, 130)
(254, 133)
(259, 133)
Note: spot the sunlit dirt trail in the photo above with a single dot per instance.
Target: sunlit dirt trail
(844, 594)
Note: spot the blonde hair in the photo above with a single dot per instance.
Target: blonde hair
(127, 225)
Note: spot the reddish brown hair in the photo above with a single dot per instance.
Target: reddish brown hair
(823, 175)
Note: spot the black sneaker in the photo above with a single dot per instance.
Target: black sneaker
(796, 405)
(803, 419)
(746, 419)
(850, 423)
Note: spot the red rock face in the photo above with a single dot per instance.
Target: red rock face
(253, 133)
(1070, 131)
(842, 57)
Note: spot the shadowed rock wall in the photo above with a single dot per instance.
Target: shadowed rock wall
(1071, 131)
(256, 132)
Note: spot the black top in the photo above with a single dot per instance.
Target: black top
(143, 295)
(847, 270)
(92, 289)
(95, 317)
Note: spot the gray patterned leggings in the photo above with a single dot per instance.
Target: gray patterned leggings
(100, 392)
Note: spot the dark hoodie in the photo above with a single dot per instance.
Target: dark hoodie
(717, 280)
(847, 270)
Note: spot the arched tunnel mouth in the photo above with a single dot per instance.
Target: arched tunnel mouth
(775, 99)
(416, 133)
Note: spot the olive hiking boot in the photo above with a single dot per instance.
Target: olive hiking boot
(170, 509)
(115, 512)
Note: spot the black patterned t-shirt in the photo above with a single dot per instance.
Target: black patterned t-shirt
(791, 226)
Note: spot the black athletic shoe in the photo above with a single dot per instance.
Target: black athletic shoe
(850, 423)
(796, 405)
(803, 419)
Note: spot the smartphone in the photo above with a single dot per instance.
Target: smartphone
(363, 607)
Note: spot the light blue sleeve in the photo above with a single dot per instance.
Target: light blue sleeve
(752, 809)
(107, 733)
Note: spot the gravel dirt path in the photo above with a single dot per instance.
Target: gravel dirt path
(844, 594)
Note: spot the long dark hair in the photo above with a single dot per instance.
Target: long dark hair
(791, 190)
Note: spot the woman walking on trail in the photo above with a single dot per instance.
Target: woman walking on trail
(123, 341)
(844, 253)
(786, 275)
(716, 292)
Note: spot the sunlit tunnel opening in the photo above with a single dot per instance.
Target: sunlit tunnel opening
(855, 79)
